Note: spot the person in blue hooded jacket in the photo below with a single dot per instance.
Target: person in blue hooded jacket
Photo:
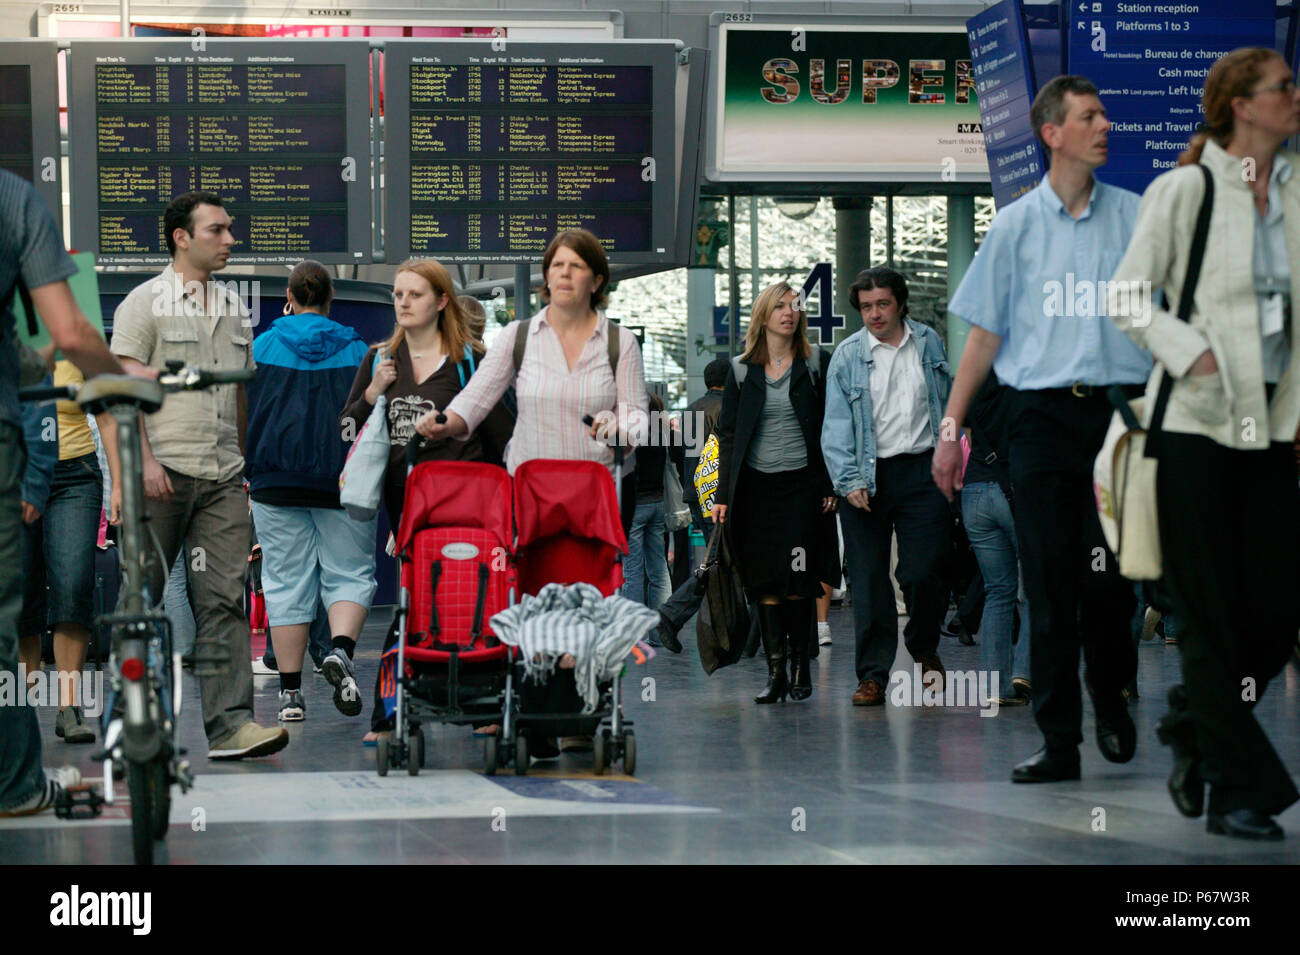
(311, 550)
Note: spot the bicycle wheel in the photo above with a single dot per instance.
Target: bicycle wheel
(160, 802)
(150, 807)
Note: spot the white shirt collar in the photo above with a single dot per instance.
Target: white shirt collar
(876, 342)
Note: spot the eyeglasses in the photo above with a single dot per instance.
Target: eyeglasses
(1286, 87)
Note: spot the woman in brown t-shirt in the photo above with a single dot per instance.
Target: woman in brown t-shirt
(429, 357)
(426, 362)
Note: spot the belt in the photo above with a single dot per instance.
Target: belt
(1080, 390)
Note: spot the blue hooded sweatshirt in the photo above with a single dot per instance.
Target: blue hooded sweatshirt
(305, 367)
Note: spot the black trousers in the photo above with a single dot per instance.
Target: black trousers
(1076, 595)
(908, 503)
(1229, 528)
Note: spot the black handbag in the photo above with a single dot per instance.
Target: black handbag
(722, 626)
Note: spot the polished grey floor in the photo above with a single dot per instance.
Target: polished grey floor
(719, 780)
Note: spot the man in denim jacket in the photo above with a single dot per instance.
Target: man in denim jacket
(885, 390)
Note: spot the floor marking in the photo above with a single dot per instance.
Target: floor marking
(363, 795)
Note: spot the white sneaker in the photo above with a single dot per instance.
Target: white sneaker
(261, 669)
(292, 707)
(823, 634)
(56, 780)
(65, 776)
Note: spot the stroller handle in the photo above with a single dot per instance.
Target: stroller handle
(418, 442)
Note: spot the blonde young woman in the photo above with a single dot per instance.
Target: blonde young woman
(421, 366)
(774, 494)
(1228, 503)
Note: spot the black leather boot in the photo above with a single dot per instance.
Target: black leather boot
(772, 627)
(1176, 730)
(797, 629)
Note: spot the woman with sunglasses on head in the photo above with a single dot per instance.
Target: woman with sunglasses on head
(1227, 498)
(423, 365)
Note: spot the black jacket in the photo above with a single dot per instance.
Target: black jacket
(743, 406)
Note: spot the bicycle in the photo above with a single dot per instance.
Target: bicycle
(144, 694)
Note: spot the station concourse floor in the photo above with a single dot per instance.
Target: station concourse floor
(719, 779)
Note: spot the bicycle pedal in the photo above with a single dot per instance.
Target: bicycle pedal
(83, 803)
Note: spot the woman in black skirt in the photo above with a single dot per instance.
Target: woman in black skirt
(770, 468)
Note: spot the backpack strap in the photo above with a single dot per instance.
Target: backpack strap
(20, 291)
(613, 343)
(466, 361)
(521, 342)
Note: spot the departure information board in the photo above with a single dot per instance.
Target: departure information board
(279, 132)
(29, 116)
(492, 148)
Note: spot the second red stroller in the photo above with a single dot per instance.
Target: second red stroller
(568, 531)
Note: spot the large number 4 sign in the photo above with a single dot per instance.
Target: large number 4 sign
(825, 320)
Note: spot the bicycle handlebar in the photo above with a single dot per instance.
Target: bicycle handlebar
(196, 379)
(182, 379)
(38, 393)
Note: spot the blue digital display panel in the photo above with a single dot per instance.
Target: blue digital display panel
(1004, 83)
(1149, 61)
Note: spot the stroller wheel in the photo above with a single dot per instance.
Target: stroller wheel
(415, 751)
(600, 752)
(629, 753)
(490, 755)
(521, 756)
(381, 755)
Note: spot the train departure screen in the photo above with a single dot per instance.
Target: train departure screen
(270, 138)
(29, 116)
(504, 151)
(16, 153)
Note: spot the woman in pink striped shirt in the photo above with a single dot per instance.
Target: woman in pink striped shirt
(565, 372)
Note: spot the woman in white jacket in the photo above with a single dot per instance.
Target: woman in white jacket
(1229, 507)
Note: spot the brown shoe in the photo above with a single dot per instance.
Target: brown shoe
(869, 693)
(932, 664)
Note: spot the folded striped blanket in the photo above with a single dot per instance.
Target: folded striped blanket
(598, 631)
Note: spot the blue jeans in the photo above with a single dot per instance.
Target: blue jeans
(645, 557)
(62, 549)
(992, 535)
(176, 603)
(21, 775)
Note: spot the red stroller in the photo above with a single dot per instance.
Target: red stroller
(568, 531)
(456, 572)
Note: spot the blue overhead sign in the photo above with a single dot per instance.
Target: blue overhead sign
(1149, 61)
(1004, 84)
